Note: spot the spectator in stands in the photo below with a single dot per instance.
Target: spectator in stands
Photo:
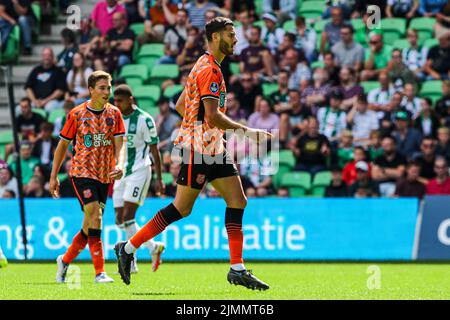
(300, 72)
(311, 149)
(443, 146)
(35, 188)
(398, 71)
(344, 152)
(332, 32)
(287, 43)
(156, 17)
(171, 189)
(388, 167)
(415, 56)
(402, 9)
(196, 11)
(330, 66)
(13, 12)
(379, 98)
(28, 122)
(349, 88)
(102, 15)
(283, 9)
(175, 38)
(376, 58)
(387, 115)
(374, 149)
(27, 162)
(78, 91)
(349, 173)
(347, 52)
(429, 8)
(437, 66)
(426, 159)
(264, 118)
(45, 145)
(7, 181)
(88, 37)
(315, 95)
(305, 38)
(257, 171)
(60, 121)
(271, 35)
(410, 101)
(248, 92)
(442, 24)
(279, 98)
(410, 186)
(337, 188)
(131, 7)
(234, 110)
(192, 50)
(46, 84)
(293, 118)
(65, 57)
(364, 186)
(242, 31)
(166, 123)
(441, 184)
(443, 104)
(256, 58)
(120, 39)
(407, 139)
(9, 194)
(427, 122)
(332, 119)
(362, 121)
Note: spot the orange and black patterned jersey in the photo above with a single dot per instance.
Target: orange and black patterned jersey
(205, 81)
(92, 133)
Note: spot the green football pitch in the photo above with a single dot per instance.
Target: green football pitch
(181, 281)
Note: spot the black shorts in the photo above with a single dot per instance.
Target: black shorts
(197, 169)
(90, 190)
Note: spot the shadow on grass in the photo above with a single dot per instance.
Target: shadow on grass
(152, 294)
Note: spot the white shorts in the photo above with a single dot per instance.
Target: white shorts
(132, 188)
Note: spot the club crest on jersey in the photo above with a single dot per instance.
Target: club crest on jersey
(200, 178)
(87, 193)
(109, 122)
(87, 140)
(214, 87)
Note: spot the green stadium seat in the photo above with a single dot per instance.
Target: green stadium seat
(12, 51)
(431, 89)
(172, 90)
(151, 110)
(286, 158)
(151, 50)
(289, 26)
(298, 183)
(138, 28)
(317, 64)
(320, 25)
(134, 74)
(393, 29)
(401, 44)
(424, 27)
(322, 179)
(358, 24)
(369, 85)
(147, 95)
(285, 161)
(318, 192)
(167, 178)
(312, 9)
(429, 43)
(2, 151)
(55, 114)
(234, 68)
(259, 7)
(6, 137)
(40, 112)
(269, 88)
(161, 72)
(259, 23)
(149, 61)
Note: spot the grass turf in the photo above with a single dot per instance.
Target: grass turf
(179, 281)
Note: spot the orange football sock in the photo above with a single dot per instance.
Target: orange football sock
(233, 224)
(96, 248)
(79, 242)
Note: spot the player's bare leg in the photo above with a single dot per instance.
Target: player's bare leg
(181, 207)
(230, 188)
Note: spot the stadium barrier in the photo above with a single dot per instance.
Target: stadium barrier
(433, 238)
(275, 229)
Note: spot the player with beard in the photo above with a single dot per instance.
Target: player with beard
(204, 158)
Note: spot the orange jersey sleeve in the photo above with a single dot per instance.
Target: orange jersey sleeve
(69, 130)
(208, 83)
(120, 126)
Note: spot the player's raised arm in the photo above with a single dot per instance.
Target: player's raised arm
(180, 103)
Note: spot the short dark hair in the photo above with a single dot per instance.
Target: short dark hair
(123, 90)
(218, 24)
(291, 36)
(96, 76)
(26, 99)
(349, 27)
(362, 98)
(47, 126)
(68, 35)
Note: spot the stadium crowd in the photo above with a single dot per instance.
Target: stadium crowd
(352, 105)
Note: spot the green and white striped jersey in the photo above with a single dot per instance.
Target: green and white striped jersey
(140, 133)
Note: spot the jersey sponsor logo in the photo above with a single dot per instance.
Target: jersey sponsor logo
(222, 99)
(87, 140)
(200, 178)
(87, 193)
(96, 140)
(214, 87)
